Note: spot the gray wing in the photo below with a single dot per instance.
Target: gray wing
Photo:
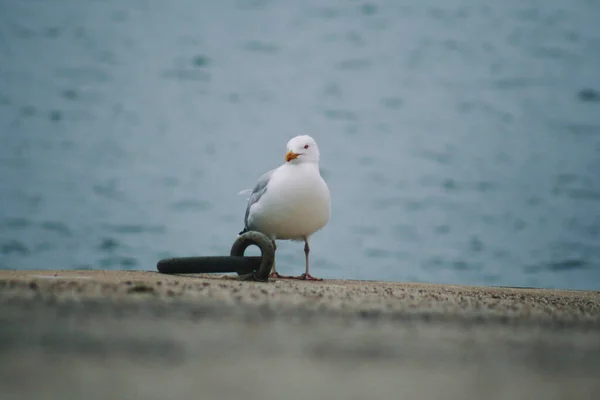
(258, 191)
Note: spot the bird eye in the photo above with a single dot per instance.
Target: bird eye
(306, 146)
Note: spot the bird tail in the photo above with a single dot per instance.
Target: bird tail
(244, 231)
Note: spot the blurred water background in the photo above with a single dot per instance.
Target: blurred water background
(460, 138)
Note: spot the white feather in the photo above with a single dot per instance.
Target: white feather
(245, 192)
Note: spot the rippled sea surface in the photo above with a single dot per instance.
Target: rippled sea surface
(460, 138)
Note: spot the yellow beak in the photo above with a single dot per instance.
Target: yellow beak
(290, 155)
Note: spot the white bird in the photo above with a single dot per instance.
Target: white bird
(291, 202)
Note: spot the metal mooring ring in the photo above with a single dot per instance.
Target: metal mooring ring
(251, 268)
(265, 245)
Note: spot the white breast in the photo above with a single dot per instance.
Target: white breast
(295, 205)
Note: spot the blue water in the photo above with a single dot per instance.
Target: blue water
(460, 138)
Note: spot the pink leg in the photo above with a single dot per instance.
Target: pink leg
(306, 275)
(274, 274)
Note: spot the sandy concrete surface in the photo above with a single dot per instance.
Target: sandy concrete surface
(143, 335)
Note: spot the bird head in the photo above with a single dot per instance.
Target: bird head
(302, 149)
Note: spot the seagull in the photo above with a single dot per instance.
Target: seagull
(291, 202)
